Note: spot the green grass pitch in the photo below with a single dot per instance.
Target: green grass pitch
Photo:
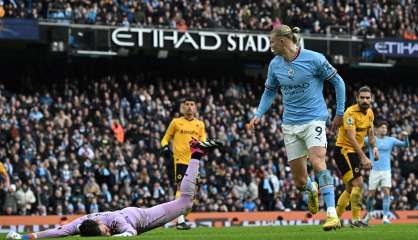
(374, 232)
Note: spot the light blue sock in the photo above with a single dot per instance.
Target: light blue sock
(370, 203)
(386, 205)
(326, 187)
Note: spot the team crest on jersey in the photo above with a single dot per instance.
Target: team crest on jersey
(350, 121)
(291, 73)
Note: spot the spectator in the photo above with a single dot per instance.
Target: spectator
(25, 199)
(10, 203)
(86, 152)
(409, 34)
(157, 191)
(376, 18)
(118, 131)
(266, 194)
(239, 190)
(91, 188)
(249, 205)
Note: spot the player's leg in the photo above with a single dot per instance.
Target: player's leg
(373, 184)
(369, 205)
(300, 176)
(354, 179)
(315, 139)
(344, 166)
(166, 212)
(326, 186)
(180, 170)
(297, 157)
(356, 198)
(343, 201)
(386, 184)
(386, 205)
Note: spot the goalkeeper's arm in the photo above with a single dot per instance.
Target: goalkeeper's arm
(166, 152)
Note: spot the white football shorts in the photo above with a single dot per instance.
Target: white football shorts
(380, 179)
(299, 138)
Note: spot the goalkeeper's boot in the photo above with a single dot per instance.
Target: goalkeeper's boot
(204, 147)
(313, 202)
(331, 223)
(183, 226)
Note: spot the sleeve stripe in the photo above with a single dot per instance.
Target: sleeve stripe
(331, 76)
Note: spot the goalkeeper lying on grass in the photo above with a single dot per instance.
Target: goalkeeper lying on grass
(132, 221)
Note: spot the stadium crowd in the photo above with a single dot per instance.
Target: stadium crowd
(82, 147)
(376, 18)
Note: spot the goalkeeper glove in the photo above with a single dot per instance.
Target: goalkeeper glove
(166, 152)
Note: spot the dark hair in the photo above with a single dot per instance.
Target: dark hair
(188, 99)
(380, 123)
(365, 89)
(89, 228)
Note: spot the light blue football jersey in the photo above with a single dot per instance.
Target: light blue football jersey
(301, 83)
(385, 146)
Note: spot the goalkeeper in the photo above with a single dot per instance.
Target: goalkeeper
(132, 221)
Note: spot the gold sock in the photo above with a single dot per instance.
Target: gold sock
(355, 199)
(342, 203)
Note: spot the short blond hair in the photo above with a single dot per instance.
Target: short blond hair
(285, 31)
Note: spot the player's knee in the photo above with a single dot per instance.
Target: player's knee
(188, 207)
(187, 203)
(318, 156)
(348, 188)
(357, 182)
(317, 159)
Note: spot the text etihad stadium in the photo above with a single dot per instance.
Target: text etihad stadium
(190, 40)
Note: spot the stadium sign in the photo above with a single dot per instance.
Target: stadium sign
(190, 40)
(19, 29)
(396, 48)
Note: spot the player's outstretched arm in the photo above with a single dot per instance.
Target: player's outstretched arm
(339, 86)
(405, 140)
(169, 133)
(265, 103)
(165, 149)
(58, 232)
(267, 98)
